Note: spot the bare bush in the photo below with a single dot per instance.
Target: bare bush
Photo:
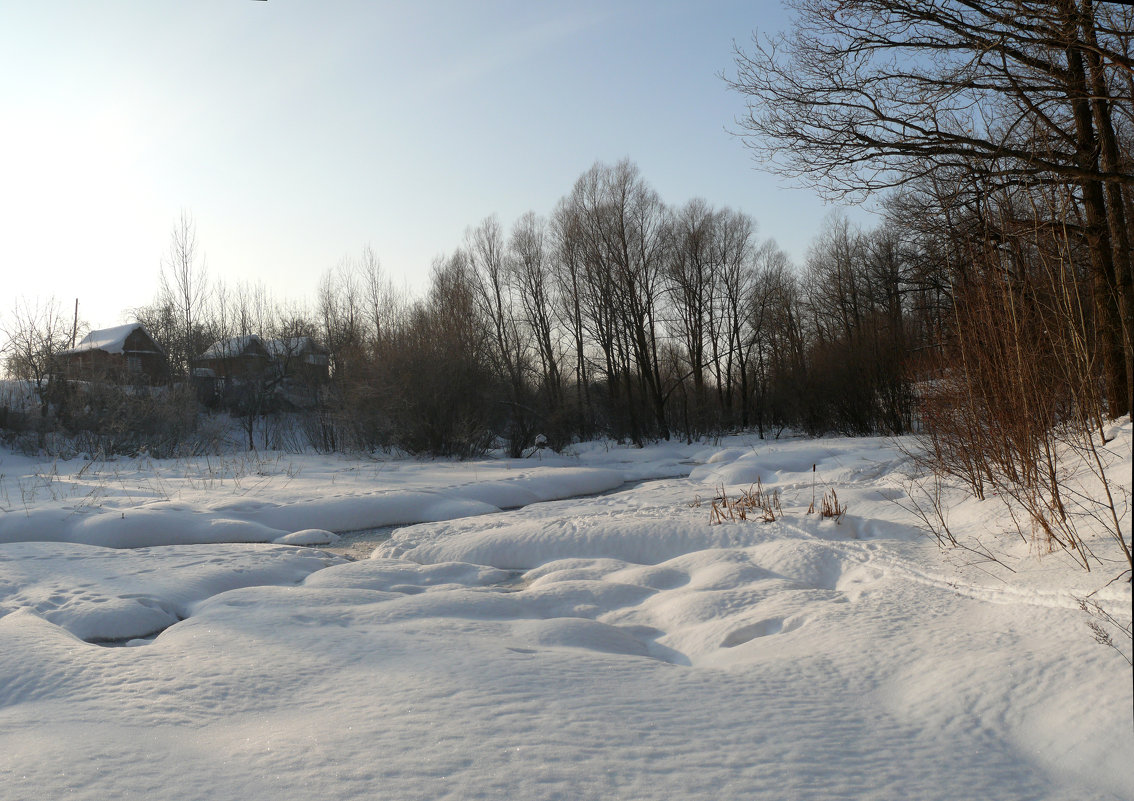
(1017, 410)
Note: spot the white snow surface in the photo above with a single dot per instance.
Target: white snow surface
(613, 646)
(136, 503)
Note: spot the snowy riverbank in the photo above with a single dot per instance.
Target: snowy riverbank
(609, 646)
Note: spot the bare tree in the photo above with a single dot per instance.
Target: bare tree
(691, 278)
(875, 94)
(442, 391)
(377, 292)
(35, 336)
(531, 269)
(184, 287)
(339, 303)
(568, 263)
(487, 257)
(622, 226)
(735, 254)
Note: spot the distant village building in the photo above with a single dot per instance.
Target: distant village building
(301, 359)
(291, 370)
(125, 352)
(238, 357)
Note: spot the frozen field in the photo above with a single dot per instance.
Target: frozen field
(163, 634)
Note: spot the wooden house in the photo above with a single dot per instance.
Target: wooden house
(238, 357)
(122, 353)
(300, 359)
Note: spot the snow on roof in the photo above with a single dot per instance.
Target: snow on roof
(110, 340)
(292, 345)
(228, 348)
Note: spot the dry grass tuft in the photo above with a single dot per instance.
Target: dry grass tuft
(831, 506)
(754, 502)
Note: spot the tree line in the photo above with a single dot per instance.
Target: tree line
(1000, 134)
(618, 315)
(615, 315)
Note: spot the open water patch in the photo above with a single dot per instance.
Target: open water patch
(356, 545)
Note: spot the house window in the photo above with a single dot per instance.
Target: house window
(134, 364)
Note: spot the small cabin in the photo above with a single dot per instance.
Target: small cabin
(238, 357)
(125, 352)
(300, 359)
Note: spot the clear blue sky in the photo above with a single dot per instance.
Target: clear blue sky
(297, 131)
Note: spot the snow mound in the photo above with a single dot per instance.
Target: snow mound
(396, 575)
(122, 521)
(830, 460)
(517, 545)
(308, 536)
(580, 633)
(106, 594)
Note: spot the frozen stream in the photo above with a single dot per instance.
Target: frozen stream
(356, 545)
(599, 640)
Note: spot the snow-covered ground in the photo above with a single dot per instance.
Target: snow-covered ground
(598, 639)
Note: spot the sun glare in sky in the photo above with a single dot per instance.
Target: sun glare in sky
(297, 133)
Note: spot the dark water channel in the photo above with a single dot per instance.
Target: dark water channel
(355, 545)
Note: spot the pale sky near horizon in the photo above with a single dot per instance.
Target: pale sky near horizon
(296, 132)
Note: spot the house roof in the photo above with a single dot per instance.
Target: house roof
(113, 340)
(292, 346)
(230, 348)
